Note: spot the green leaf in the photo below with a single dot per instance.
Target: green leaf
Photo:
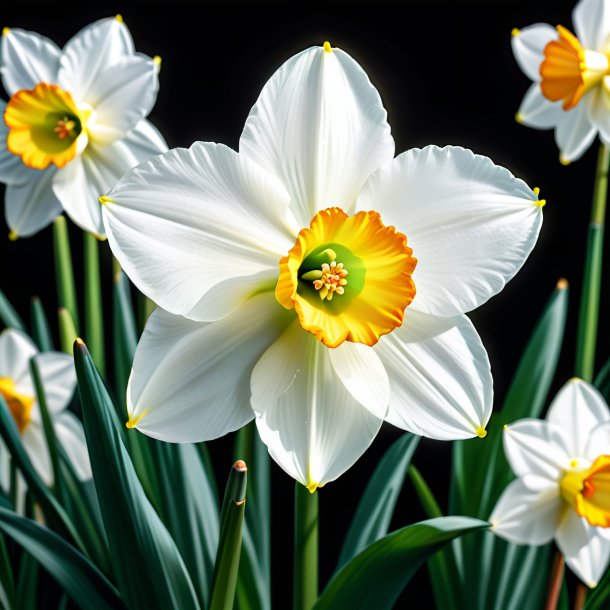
(375, 509)
(64, 274)
(40, 327)
(149, 570)
(599, 598)
(8, 315)
(229, 546)
(376, 577)
(79, 578)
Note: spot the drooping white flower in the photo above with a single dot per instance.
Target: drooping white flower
(312, 279)
(571, 74)
(562, 489)
(74, 124)
(18, 391)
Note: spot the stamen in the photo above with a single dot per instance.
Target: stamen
(329, 280)
(65, 127)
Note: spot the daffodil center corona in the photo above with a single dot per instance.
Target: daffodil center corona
(20, 405)
(587, 490)
(569, 71)
(347, 277)
(45, 126)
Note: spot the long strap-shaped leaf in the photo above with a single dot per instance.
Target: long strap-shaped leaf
(8, 315)
(374, 512)
(376, 577)
(76, 575)
(149, 569)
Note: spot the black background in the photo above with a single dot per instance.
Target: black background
(447, 76)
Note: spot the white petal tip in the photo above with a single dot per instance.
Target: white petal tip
(538, 202)
(134, 420)
(327, 47)
(6, 31)
(157, 59)
(562, 283)
(481, 432)
(564, 160)
(119, 17)
(519, 118)
(13, 235)
(515, 32)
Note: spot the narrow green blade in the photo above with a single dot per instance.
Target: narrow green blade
(376, 577)
(64, 274)
(149, 570)
(94, 310)
(376, 506)
(40, 327)
(10, 318)
(599, 598)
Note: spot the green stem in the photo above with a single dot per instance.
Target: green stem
(589, 301)
(66, 291)
(94, 318)
(305, 589)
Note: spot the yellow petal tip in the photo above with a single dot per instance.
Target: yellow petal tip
(562, 283)
(327, 47)
(540, 202)
(6, 31)
(104, 200)
(134, 420)
(312, 487)
(515, 32)
(505, 426)
(519, 118)
(119, 17)
(157, 59)
(564, 161)
(481, 432)
(13, 235)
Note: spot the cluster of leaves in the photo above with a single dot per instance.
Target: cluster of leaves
(150, 530)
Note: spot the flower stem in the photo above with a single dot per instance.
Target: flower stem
(305, 591)
(66, 291)
(94, 318)
(589, 300)
(581, 596)
(555, 582)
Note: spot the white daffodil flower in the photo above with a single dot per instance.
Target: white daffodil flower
(74, 124)
(571, 74)
(18, 391)
(291, 295)
(563, 485)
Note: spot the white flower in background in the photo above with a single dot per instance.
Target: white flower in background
(293, 298)
(18, 391)
(74, 124)
(563, 485)
(571, 74)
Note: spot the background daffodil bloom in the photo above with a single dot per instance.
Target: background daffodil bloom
(18, 391)
(563, 485)
(314, 281)
(571, 74)
(74, 123)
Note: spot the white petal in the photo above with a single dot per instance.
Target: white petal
(312, 424)
(16, 350)
(145, 141)
(534, 446)
(536, 111)
(525, 516)
(320, 126)
(31, 205)
(440, 381)
(471, 224)
(80, 183)
(123, 95)
(578, 408)
(91, 52)
(585, 551)
(199, 230)
(71, 436)
(58, 379)
(599, 109)
(598, 443)
(191, 380)
(12, 170)
(35, 444)
(528, 47)
(592, 24)
(575, 132)
(27, 59)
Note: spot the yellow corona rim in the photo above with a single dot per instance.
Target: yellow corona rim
(20, 405)
(44, 126)
(347, 277)
(588, 491)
